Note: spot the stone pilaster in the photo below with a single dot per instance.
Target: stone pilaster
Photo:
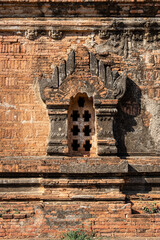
(105, 111)
(58, 144)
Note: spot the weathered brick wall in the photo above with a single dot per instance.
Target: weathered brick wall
(43, 196)
(53, 219)
(24, 120)
(30, 220)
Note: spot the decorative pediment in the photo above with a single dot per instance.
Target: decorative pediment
(82, 72)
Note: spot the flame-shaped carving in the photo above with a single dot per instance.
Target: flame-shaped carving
(119, 85)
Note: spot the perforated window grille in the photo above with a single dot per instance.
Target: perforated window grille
(81, 126)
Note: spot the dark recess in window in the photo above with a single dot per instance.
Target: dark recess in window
(86, 130)
(81, 102)
(86, 116)
(75, 145)
(87, 145)
(75, 130)
(75, 115)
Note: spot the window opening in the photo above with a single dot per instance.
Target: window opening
(87, 145)
(75, 145)
(86, 130)
(86, 116)
(75, 130)
(81, 126)
(81, 102)
(75, 115)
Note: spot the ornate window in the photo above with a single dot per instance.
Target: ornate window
(82, 98)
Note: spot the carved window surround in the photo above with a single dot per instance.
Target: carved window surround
(98, 83)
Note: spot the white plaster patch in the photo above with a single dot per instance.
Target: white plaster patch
(91, 41)
(7, 105)
(30, 121)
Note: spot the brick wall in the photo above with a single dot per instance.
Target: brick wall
(45, 196)
(53, 219)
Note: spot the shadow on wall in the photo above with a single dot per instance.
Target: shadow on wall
(128, 108)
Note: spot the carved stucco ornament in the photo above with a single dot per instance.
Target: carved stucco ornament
(119, 84)
(122, 39)
(115, 83)
(31, 34)
(98, 82)
(55, 34)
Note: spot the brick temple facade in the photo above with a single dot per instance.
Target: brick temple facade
(80, 118)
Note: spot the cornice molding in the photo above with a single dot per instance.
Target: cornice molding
(56, 29)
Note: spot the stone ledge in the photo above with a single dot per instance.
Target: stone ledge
(79, 165)
(63, 165)
(113, 196)
(144, 164)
